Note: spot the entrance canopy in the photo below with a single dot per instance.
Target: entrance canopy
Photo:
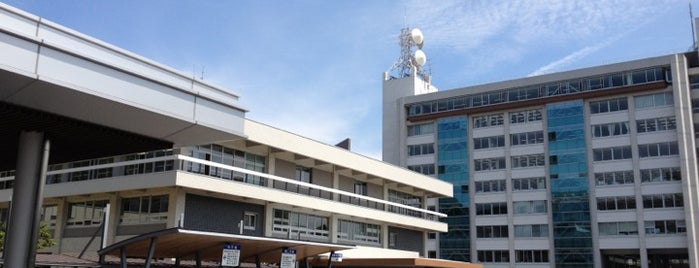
(198, 245)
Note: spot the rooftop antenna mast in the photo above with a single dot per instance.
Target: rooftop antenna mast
(691, 20)
(411, 57)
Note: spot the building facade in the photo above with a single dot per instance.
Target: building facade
(594, 167)
(271, 184)
(208, 168)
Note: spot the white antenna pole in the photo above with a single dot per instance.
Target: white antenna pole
(691, 20)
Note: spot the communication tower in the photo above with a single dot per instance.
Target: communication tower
(412, 58)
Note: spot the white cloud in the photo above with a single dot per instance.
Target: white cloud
(480, 27)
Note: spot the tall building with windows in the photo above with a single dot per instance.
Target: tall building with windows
(595, 167)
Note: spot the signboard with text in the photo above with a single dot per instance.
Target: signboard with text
(231, 255)
(336, 257)
(288, 258)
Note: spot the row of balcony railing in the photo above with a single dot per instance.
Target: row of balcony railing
(95, 170)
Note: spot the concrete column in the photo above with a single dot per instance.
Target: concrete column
(176, 209)
(384, 235)
(61, 218)
(30, 177)
(334, 227)
(271, 167)
(336, 183)
(112, 219)
(269, 220)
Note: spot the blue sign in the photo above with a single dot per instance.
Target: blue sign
(231, 246)
(288, 258)
(230, 255)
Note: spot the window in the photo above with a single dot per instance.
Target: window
(656, 124)
(608, 106)
(392, 239)
(360, 188)
(531, 256)
(534, 137)
(359, 232)
(532, 160)
(304, 174)
(665, 227)
(654, 100)
(529, 207)
(618, 228)
(489, 164)
(144, 209)
(432, 254)
(431, 235)
(526, 184)
(535, 230)
(228, 156)
(488, 142)
(405, 199)
(614, 178)
(80, 175)
(289, 224)
(107, 172)
(420, 129)
(491, 208)
(658, 149)
(612, 129)
(612, 153)
(86, 213)
(493, 256)
(48, 215)
(497, 231)
(421, 149)
(426, 169)
(525, 116)
(663, 200)
(249, 220)
(616, 203)
(490, 186)
(661, 174)
(488, 120)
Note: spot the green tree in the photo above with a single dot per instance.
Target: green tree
(45, 240)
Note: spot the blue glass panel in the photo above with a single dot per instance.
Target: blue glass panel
(569, 185)
(452, 163)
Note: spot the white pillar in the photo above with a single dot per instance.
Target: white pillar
(30, 177)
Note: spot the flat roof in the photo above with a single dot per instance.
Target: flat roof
(186, 244)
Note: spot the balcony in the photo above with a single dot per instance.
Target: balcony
(166, 161)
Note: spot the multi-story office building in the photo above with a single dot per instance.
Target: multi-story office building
(270, 184)
(595, 167)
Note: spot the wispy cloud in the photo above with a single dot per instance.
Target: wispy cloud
(475, 28)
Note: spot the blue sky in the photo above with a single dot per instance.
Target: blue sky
(315, 67)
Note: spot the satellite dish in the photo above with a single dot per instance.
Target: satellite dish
(417, 37)
(420, 57)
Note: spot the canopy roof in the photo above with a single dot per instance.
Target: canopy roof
(187, 244)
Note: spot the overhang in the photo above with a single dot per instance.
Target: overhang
(100, 93)
(187, 244)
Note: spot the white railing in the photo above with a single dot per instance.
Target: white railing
(190, 164)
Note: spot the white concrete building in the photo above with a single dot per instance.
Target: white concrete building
(594, 167)
(137, 147)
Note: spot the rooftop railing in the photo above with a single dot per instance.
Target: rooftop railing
(167, 161)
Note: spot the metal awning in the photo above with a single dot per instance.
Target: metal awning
(184, 244)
